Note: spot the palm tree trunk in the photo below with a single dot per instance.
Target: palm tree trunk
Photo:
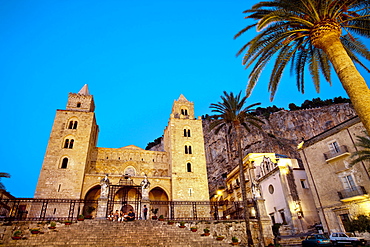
(242, 186)
(351, 79)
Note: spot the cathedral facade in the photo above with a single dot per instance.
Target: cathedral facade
(74, 167)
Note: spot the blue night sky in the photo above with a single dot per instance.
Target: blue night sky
(137, 57)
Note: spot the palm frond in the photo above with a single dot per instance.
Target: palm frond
(284, 33)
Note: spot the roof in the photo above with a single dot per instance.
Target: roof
(84, 90)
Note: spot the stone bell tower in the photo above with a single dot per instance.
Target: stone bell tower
(184, 143)
(72, 139)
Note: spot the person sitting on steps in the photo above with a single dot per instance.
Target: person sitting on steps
(115, 216)
(130, 216)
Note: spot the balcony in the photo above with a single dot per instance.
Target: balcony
(352, 194)
(334, 154)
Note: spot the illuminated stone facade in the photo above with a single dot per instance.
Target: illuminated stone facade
(340, 191)
(74, 166)
(278, 189)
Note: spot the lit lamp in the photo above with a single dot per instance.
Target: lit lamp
(220, 192)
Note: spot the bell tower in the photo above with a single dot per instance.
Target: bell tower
(73, 138)
(184, 143)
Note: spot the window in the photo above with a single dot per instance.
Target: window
(348, 183)
(188, 167)
(71, 143)
(304, 184)
(72, 125)
(78, 104)
(64, 163)
(184, 112)
(283, 217)
(188, 149)
(334, 147)
(68, 143)
(271, 189)
(186, 132)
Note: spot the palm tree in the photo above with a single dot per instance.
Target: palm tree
(3, 175)
(233, 115)
(316, 33)
(363, 154)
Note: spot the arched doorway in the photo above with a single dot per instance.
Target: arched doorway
(91, 202)
(159, 199)
(124, 196)
(127, 198)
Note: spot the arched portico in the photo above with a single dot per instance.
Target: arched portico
(159, 199)
(91, 198)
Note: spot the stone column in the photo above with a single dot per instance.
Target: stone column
(264, 221)
(101, 212)
(102, 208)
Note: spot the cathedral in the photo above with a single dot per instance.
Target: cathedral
(75, 168)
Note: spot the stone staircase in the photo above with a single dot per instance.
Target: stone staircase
(101, 233)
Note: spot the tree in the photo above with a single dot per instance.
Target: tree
(233, 115)
(364, 153)
(313, 33)
(3, 175)
(361, 224)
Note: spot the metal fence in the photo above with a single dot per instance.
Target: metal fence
(29, 209)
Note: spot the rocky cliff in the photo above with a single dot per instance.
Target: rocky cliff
(280, 134)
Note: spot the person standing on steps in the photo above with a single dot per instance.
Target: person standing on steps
(145, 212)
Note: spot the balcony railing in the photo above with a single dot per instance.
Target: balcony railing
(352, 192)
(332, 154)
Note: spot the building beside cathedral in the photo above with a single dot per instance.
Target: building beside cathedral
(340, 190)
(75, 168)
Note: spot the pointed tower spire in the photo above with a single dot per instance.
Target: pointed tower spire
(182, 98)
(84, 90)
(81, 101)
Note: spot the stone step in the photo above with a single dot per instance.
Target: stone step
(105, 233)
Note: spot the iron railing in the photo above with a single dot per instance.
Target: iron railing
(354, 191)
(30, 209)
(341, 150)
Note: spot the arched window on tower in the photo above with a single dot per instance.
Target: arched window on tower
(78, 104)
(184, 112)
(66, 143)
(72, 125)
(71, 144)
(64, 163)
(188, 149)
(187, 132)
(188, 167)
